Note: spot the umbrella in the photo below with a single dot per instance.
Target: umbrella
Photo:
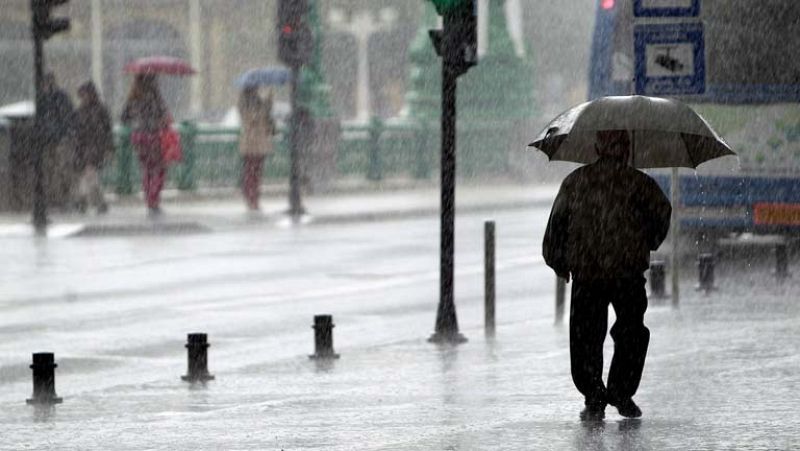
(664, 132)
(263, 76)
(166, 65)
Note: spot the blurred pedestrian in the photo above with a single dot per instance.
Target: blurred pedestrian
(255, 140)
(57, 133)
(147, 115)
(94, 145)
(606, 219)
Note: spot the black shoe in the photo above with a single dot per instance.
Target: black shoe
(627, 408)
(102, 209)
(595, 410)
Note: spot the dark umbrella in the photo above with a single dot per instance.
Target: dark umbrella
(664, 133)
(263, 76)
(158, 65)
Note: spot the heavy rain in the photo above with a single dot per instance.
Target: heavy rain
(399, 224)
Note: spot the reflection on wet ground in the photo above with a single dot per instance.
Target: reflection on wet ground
(721, 372)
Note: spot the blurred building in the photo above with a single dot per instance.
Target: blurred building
(223, 38)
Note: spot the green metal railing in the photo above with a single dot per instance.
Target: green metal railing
(373, 151)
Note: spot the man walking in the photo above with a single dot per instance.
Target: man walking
(606, 219)
(94, 147)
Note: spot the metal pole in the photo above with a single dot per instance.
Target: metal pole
(781, 261)
(97, 44)
(657, 279)
(446, 320)
(675, 229)
(295, 202)
(196, 55)
(561, 297)
(489, 277)
(39, 200)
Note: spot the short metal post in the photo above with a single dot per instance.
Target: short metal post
(375, 165)
(489, 277)
(44, 379)
(561, 296)
(657, 279)
(781, 261)
(197, 356)
(705, 272)
(323, 338)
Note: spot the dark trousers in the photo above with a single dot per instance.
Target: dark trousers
(252, 168)
(588, 322)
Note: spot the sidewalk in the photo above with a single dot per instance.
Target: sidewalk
(721, 370)
(224, 209)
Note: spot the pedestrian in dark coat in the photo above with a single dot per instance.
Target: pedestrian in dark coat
(94, 144)
(147, 115)
(606, 219)
(59, 113)
(57, 132)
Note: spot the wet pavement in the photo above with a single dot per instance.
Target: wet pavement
(190, 212)
(722, 371)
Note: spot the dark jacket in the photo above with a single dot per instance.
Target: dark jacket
(59, 116)
(606, 219)
(146, 115)
(93, 135)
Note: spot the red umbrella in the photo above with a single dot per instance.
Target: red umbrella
(159, 65)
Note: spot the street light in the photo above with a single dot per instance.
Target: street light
(43, 27)
(295, 46)
(457, 44)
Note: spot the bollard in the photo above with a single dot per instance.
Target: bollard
(323, 338)
(197, 356)
(44, 379)
(657, 279)
(705, 272)
(375, 168)
(781, 261)
(489, 278)
(561, 296)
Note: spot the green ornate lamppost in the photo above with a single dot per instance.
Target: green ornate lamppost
(313, 92)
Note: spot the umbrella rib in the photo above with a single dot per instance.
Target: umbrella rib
(688, 154)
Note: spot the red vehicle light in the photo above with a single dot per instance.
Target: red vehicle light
(607, 4)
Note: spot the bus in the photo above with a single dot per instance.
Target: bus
(751, 97)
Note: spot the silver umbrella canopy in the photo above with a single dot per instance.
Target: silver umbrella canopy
(664, 133)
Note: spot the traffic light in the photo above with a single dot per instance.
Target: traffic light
(295, 39)
(458, 42)
(44, 27)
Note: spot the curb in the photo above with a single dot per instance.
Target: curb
(154, 228)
